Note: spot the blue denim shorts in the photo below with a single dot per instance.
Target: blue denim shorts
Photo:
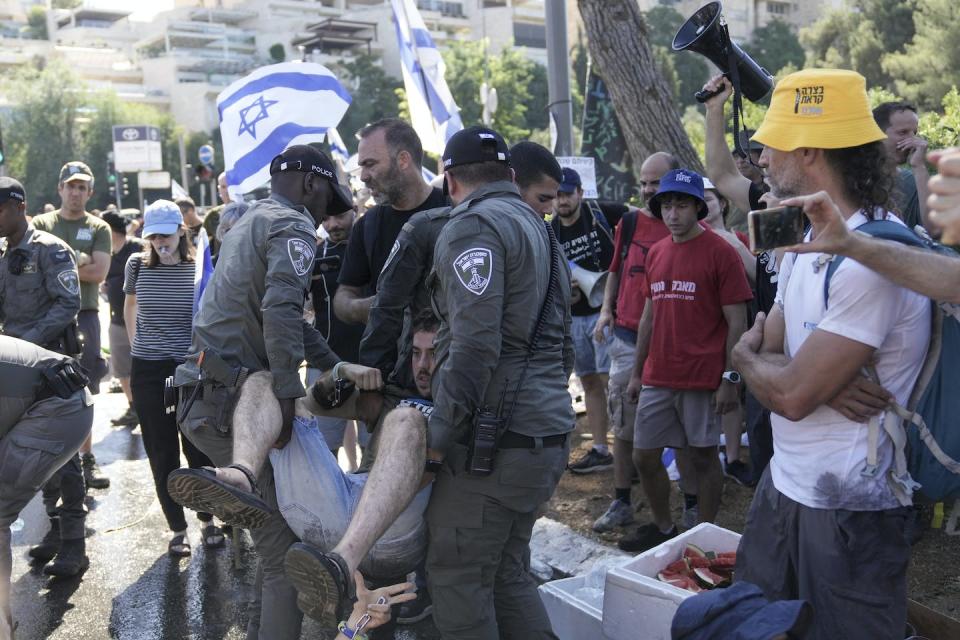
(318, 499)
(590, 356)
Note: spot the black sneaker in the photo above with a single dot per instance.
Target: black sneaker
(739, 473)
(592, 461)
(128, 419)
(646, 537)
(416, 610)
(92, 476)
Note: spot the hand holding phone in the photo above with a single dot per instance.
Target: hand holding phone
(775, 227)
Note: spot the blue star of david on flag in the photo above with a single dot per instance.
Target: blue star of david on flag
(250, 126)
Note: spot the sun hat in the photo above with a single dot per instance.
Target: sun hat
(680, 181)
(820, 109)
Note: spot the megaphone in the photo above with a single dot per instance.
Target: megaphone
(591, 283)
(705, 32)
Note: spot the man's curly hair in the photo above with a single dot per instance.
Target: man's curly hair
(868, 175)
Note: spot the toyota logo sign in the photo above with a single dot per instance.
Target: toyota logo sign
(130, 134)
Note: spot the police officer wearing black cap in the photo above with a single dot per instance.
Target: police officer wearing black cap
(250, 328)
(39, 302)
(502, 412)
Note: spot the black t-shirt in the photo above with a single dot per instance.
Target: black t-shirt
(343, 338)
(114, 280)
(372, 239)
(588, 242)
(766, 288)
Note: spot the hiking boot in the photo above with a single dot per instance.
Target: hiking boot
(416, 610)
(618, 514)
(128, 419)
(92, 475)
(50, 545)
(739, 473)
(71, 561)
(646, 537)
(592, 461)
(690, 517)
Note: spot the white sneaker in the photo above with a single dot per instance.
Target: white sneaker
(618, 514)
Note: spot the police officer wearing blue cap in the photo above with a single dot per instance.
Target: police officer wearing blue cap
(250, 333)
(502, 412)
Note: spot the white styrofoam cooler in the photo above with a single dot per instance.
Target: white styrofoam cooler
(633, 597)
(575, 604)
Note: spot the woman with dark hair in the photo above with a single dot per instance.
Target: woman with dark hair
(158, 310)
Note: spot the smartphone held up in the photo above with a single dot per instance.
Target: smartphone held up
(775, 227)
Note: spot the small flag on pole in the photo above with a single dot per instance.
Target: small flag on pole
(204, 269)
(270, 109)
(337, 149)
(176, 191)
(433, 112)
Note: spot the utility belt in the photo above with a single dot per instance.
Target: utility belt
(61, 380)
(70, 342)
(219, 385)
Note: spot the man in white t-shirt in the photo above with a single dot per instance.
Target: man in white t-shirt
(822, 527)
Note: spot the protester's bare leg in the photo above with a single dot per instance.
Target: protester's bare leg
(656, 485)
(622, 463)
(595, 400)
(125, 385)
(256, 426)
(709, 477)
(350, 443)
(391, 485)
(732, 422)
(688, 473)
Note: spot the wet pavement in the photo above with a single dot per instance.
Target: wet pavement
(133, 590)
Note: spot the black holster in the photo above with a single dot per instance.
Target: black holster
(220, 386)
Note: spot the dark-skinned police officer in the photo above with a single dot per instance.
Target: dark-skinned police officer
(502, 412)
(39, 301)
(251, 322)
(45, 415)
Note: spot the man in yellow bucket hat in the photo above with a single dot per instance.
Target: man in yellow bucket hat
(827, 523)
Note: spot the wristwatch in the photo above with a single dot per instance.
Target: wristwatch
(733, 377)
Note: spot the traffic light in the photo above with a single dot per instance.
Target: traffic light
(204, 172)
(126, 187)
(111, 178)
(3, 156)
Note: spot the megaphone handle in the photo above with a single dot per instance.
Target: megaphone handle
(704, 94)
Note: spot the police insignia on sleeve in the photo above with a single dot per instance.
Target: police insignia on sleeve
(69, 281)
(393, 252)
(473, 268)
(301, 255)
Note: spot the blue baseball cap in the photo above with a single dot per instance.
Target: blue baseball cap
(571, 181)
(739, 612)
(680, 181)
(161, 217)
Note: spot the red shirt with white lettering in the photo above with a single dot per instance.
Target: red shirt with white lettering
(689, 284)
(632, 295)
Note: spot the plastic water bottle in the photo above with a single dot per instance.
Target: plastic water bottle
(17, 525)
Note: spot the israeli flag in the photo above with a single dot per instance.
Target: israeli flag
(270, 109)
(337, 149)
(433, 113)
(203, 270)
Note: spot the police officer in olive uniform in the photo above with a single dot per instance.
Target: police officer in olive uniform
(497, 274)
(39, 301)
(45, 415)
(251, 320)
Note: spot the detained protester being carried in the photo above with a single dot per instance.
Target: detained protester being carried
(827, 522)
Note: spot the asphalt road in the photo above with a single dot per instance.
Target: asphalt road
(133, 590)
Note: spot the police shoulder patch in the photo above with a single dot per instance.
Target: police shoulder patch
(69, 281)
(301, 255)
(473, 268)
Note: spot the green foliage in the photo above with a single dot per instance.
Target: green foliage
(696, 127)
(684, 71)
(37, 23)
(521, 88)
(943, 130)
(776, 46)
(55, 120)
(66, 4)
(373, 92)
(278, 53)
(929, 65)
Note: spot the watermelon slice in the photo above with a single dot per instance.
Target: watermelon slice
(727, 554)
(709, 579)
(680, 566)
(722, 563)
(680, 581)
(699, 563)
(693, 551)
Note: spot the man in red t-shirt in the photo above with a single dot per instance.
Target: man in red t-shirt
(696, 288)
(623, 302)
